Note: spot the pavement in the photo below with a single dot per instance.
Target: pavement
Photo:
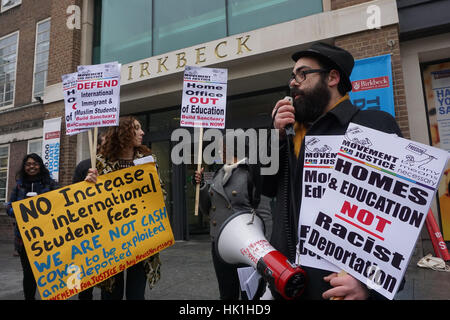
(187, 274)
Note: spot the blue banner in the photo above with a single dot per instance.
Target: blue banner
(372, 86)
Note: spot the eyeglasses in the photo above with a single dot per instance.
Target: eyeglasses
(31, 164)
(300, 75)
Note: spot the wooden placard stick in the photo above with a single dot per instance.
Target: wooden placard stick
(199, 167)
(93, 146)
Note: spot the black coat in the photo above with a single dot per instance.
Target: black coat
(284, 230)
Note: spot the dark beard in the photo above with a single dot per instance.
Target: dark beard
(311, 104)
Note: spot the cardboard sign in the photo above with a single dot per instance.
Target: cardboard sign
(50, 146)
(320, 157)
(99, 95)
(82, 234)
(376, 202)
(204, 98)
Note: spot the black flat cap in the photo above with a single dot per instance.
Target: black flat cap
(339, 58)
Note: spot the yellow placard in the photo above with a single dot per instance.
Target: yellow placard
(78, 236)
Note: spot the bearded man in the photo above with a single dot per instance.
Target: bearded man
(319, 84)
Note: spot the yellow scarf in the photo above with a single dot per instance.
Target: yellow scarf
(300, 129)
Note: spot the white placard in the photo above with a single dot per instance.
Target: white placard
(377, 199)
(204, 98)
(320, 156)
(99, 95)
(71, 102)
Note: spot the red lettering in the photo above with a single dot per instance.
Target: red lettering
(350, 211)
(381, 223)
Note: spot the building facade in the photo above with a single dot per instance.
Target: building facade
(154, 40)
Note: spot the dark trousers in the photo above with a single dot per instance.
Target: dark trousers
(86, 294)
(227, 278)
(135, 286)
(29, 284)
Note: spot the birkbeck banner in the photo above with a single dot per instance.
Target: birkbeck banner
(372, 86)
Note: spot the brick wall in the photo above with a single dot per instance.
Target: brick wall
(378, 42)
(65, 48)
(64, 57)
(24, 19)
(65, 45)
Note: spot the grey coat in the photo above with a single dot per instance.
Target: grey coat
(221, 200)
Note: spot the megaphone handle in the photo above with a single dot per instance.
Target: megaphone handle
(340, 274)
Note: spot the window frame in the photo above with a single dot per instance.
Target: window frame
(32, 141)
(2, 8)
(33, 96)
(7, 170)
(15, 68)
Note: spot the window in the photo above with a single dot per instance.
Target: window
(41, 58)
(35, 146)
(8, 4)
(128, 32)
(245, 15)
(8, 59)
(4, 156)
(181, 24)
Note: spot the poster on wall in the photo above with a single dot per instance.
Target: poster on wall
(436, 81)
(372, 86)
(50, 146)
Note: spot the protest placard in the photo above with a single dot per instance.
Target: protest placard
(99, 95)
(203, 105)
(320, 157)
(374, 207)
(50, 146)
(71, 100)
(204, 97)
(78, 236)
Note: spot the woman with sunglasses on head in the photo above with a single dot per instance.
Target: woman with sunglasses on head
(123, 144)
(33, 178)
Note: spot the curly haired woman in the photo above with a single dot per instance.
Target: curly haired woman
(123, 144)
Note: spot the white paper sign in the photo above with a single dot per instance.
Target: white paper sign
(377, 199)
(71, 102)
(99, 95)
(50, 146)
(204, 98)
(143, 160)
(320, 156)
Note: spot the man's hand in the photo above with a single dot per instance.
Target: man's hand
(345, 286)
(198, 176)
(284, 116)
